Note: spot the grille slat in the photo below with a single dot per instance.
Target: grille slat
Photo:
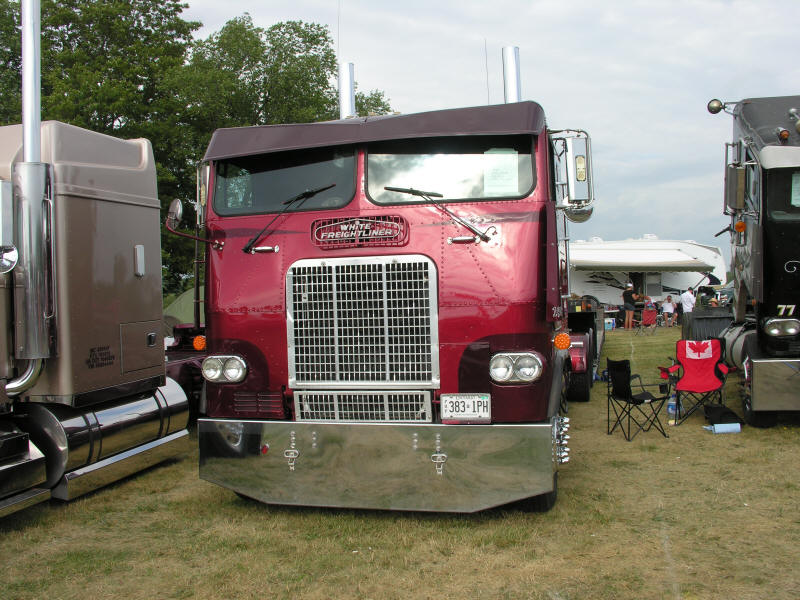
(396, 407)
(360, 321)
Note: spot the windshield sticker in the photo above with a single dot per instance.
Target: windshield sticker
(500, 172)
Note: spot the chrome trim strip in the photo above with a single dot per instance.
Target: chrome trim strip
(84, 480)
(23, 500)
(422, 467)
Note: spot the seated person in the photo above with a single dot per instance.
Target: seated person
(668, 309)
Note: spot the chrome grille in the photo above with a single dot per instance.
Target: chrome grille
(360, 321)
(363, 406)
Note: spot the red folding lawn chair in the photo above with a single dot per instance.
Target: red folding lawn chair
(702, 378)
(648, 321)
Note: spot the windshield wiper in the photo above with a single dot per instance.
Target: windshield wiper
(248, 248)
(429, 196)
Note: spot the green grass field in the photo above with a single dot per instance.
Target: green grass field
(695, 515)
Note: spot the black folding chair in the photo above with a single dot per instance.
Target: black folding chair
(630, 412)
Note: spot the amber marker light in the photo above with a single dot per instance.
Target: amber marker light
(783, 134)
(199, 343)
(562, 341)
(740, 226)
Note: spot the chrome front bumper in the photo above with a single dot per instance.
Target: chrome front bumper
(425, 467)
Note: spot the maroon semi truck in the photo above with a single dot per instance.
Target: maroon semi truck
(386, 309)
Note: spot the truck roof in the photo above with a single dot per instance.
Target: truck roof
(499, 119)
(88, 164)
(762, 116)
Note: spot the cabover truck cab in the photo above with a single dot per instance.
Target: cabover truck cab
(382, 300)
(84, 397)
(762, 196)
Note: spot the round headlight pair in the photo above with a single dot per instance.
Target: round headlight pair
(782, 327)
(515, 367)
(224, 369)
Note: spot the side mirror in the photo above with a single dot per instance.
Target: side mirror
(579, 169)
(579, 213)
(734, 188)
(715, 106)
(175, 213)
(203, 171)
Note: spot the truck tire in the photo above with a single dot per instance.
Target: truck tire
(579, 387)
(541, 503)
(229, 441)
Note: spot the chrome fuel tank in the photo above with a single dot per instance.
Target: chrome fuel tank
(73, 439)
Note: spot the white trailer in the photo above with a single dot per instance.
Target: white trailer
(656, 268)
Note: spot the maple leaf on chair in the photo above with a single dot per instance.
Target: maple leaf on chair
(698, 349)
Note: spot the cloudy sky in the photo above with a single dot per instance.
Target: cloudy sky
(635, 74)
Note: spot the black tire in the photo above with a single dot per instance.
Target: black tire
(579, 388)
(590, 358)
(231, 442)
(541, 503)
(563, 408)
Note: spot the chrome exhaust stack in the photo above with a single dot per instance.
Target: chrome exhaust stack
(32, 214)
(512, 89)
(347, 91)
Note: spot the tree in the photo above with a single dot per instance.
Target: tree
(10, 51)
(374, 103)
(104, 63)
(246, 75)
(130, 68)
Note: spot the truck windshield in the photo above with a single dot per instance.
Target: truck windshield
(261, 184)
(461, 169)
(782, 191)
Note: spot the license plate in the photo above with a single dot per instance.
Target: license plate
(466, 408)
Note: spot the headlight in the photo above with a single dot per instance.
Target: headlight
(224, 369)
(528, 367)
(515, 367)
(501, 368)
(212, 368)
(782, 327)
(234, 369)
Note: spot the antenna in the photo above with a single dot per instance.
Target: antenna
(339, 32)
(486, 67)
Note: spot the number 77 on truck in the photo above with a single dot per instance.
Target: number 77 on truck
(386, 308)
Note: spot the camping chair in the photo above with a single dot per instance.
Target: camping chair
(648, 321)
(703, 375)
(631, 412)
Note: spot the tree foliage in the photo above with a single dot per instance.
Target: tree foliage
(131, 68)
(10, 50)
